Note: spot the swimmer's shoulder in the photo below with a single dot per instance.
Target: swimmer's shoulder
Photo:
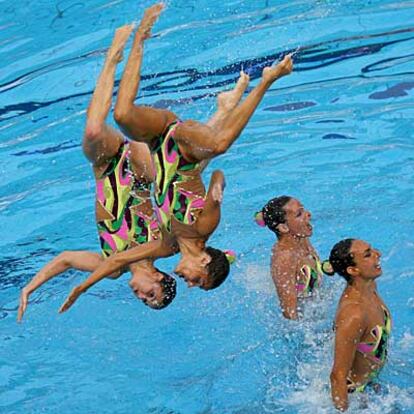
(350, 310)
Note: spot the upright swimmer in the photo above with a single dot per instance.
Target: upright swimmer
(362, 323)
(186, 212)
(295, 265)
(125, 218)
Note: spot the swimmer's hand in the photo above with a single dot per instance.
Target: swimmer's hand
(150, 17)
(72, 298)
(24, 298)
(218, 186)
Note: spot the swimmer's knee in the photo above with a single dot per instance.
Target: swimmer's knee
(93, 132)
(122, 115)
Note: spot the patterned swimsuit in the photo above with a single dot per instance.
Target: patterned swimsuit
(172, 170)
(126, 202)
(309, 279)
(376, 351)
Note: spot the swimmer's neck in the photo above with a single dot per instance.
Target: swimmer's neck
(145, 270)
(144, 264)
(291, 241)
(191, 246)
(364, 286)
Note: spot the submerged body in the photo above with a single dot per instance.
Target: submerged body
(362, 323)
(371, 350)
(295, 265)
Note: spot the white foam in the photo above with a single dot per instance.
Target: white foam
(256, 278)
(407, 341)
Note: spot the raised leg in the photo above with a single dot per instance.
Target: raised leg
(228, 100)
(140, 123)
(238, 118)
(201, 142)
(100, 141)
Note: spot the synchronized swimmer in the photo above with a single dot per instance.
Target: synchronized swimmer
(187, 215)
(295, 266)
(151, 203)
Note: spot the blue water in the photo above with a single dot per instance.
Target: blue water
(337, 134)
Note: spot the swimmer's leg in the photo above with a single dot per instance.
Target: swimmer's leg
(206, 141)
(140, 123)
(238, 118)
(101, 142)
(228, 100)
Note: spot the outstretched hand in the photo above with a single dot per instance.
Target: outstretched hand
(218, 187)
(24, 298)
(150, 17)
(71, 299)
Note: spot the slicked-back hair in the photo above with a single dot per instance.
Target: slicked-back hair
(341, 258)
(218, 268)
(274, 212)
(169, 289)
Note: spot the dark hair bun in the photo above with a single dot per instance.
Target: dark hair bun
(327, 268)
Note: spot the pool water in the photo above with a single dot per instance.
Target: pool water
(337, 134)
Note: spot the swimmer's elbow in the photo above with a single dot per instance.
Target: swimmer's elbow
(119, 260)
(290, 314)
(115, 264)
(288, 310)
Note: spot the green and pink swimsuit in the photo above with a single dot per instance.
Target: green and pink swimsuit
(172, 170)
(123, 197)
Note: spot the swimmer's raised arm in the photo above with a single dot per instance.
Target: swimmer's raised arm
(348, 332)
(79, 260)
(140, 123)
(100, 141)
(116, 262)
(284, 276)
(209, 219)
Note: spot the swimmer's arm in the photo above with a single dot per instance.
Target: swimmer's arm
(80, 260)
(210, 217)
(115, 263)
(283, 271)
(348, 332)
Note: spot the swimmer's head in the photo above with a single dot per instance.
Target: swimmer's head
(285, 215)
(169, 289)
(153, 287)
(352, 258)
(219, 267)
(208, 270)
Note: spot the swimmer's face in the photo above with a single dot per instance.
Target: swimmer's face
(298, 219)
(147, 287)
(366, 259)
(193, 269)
